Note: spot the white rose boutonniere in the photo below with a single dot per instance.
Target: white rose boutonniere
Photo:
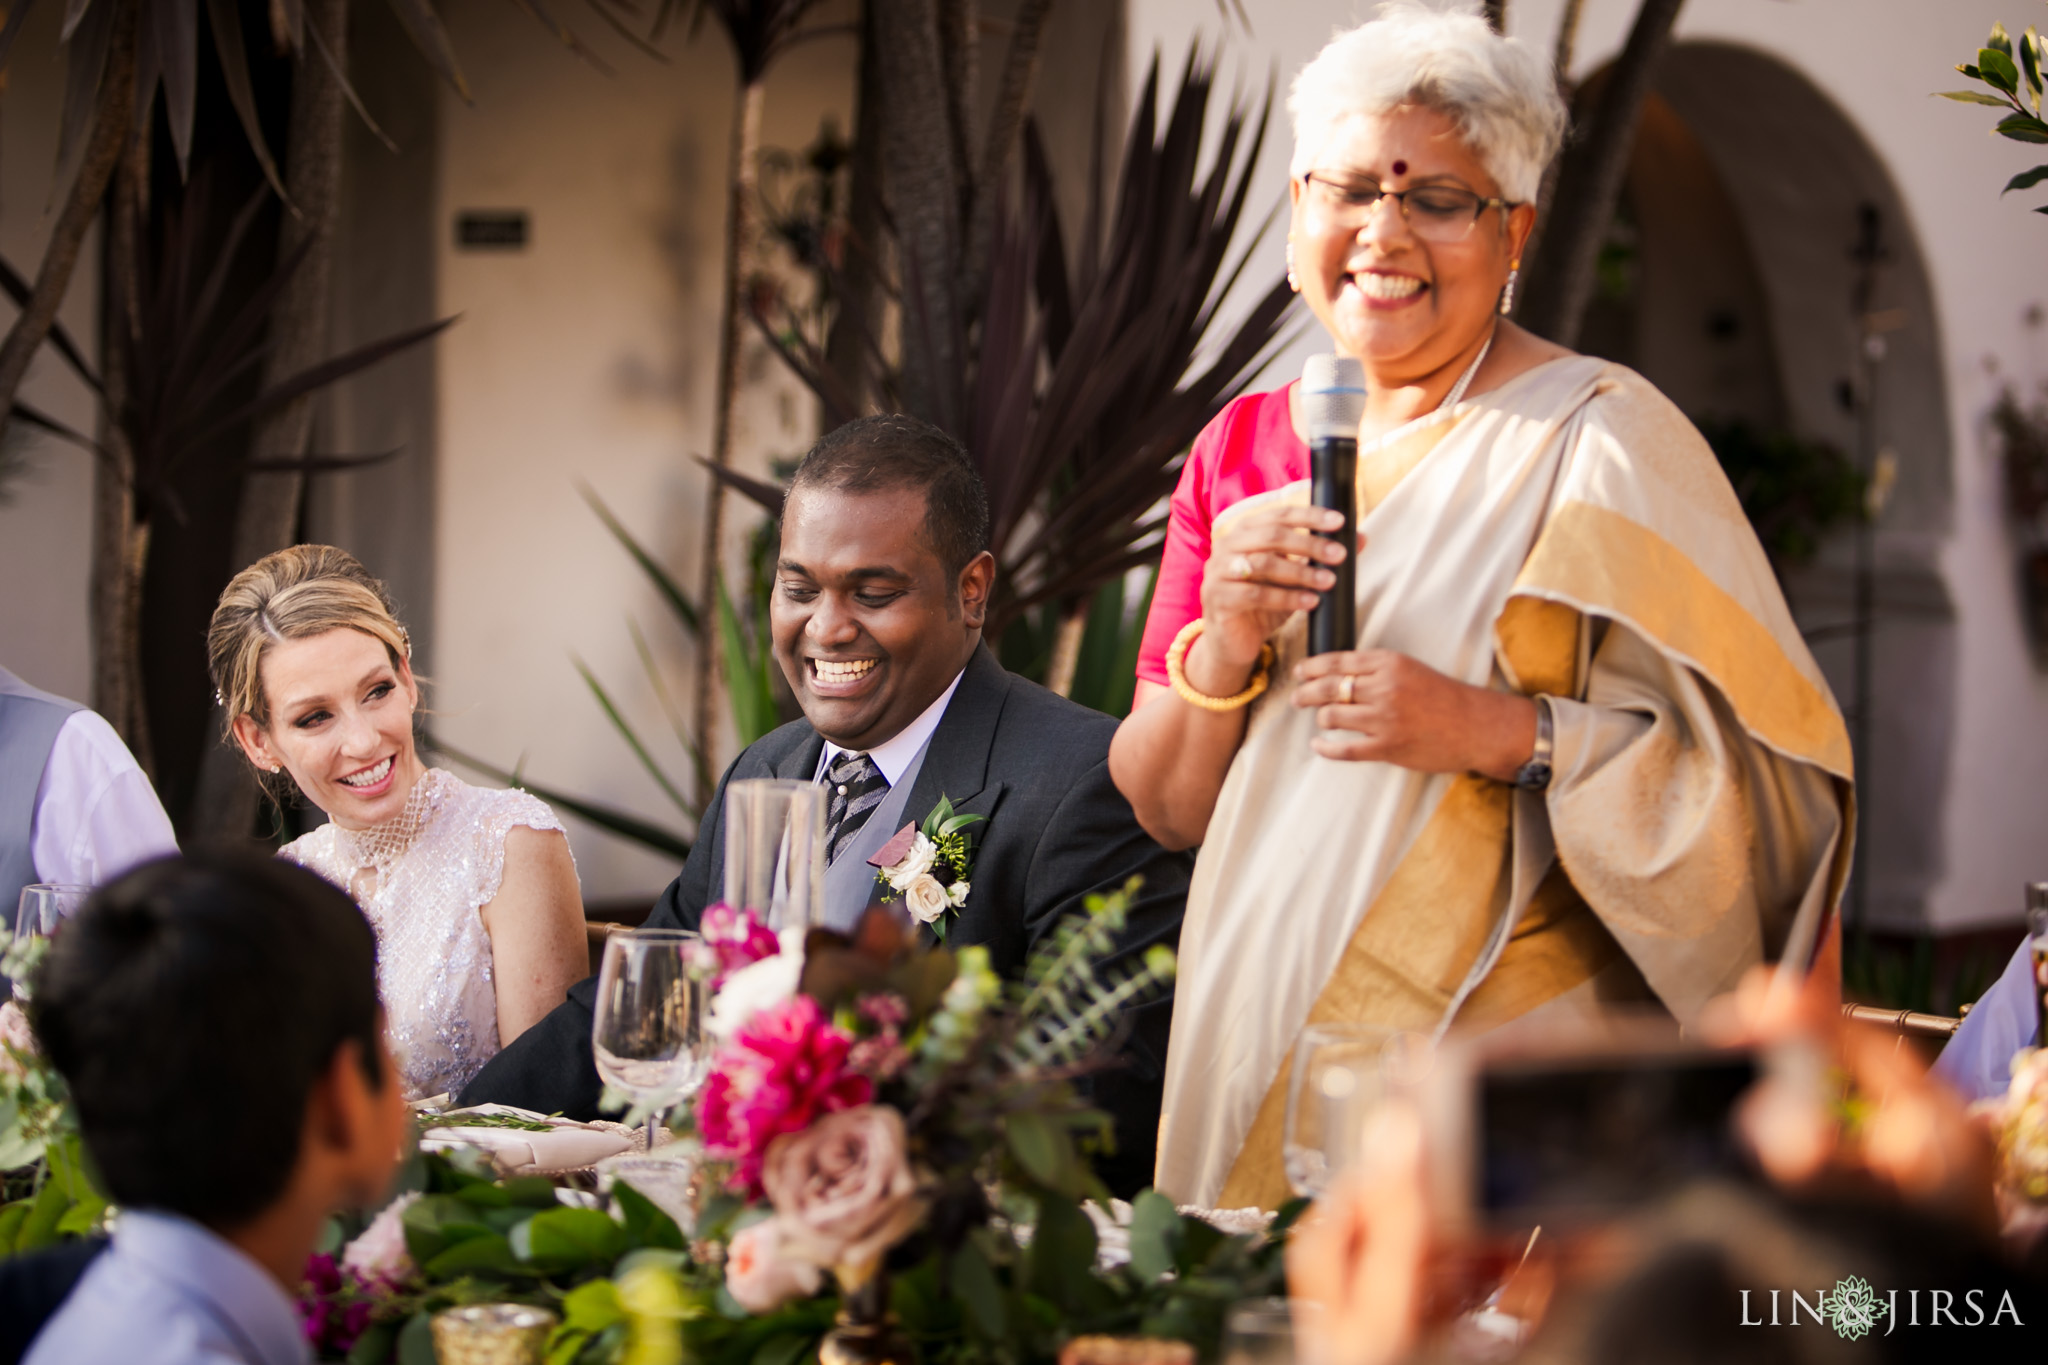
(929, 865)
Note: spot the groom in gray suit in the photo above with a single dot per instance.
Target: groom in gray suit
(881, 589)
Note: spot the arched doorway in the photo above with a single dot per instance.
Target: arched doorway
(1731, 281)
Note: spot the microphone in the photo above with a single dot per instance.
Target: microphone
(1332, 401)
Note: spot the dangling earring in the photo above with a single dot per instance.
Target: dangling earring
(1507, 295)
(1292, 282)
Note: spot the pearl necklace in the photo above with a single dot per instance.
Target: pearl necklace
(1457, 392)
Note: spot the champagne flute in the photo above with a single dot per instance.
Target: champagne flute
(775, 850)
(42, 908)
(647, 1032)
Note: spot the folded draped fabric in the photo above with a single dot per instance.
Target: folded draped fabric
(1568, 534)
(565, 1146)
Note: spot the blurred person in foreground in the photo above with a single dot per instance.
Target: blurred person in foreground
(1889, 1181)
(216, 1020)
(1580, 755)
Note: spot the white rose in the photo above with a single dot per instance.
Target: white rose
(915, 864)
(757, 986)
(926, 899)
(956, 894)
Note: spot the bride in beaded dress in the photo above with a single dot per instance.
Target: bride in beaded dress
(472, 891)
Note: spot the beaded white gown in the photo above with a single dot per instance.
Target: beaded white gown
(422, 880)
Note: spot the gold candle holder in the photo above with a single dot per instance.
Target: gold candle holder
(492, 1334)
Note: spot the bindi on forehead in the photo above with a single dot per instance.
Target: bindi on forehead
(1400, 168)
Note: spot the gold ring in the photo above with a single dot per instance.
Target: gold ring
(1349, 680)
(1241, 568)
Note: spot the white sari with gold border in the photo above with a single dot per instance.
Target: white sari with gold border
(1568, 534)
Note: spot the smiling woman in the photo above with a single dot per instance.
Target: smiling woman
(1577, 754)
(473, 892)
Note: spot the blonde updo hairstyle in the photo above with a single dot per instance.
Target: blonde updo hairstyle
(294, 594)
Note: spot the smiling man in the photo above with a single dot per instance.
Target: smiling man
(881, 590)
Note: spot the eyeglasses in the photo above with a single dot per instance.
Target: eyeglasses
(1435, 213)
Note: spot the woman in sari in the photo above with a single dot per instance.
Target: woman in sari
(1579, 756)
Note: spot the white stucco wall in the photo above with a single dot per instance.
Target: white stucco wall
(589, 355)
(1879, 63)
(46, 524)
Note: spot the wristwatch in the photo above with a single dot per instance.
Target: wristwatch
(1534, 775)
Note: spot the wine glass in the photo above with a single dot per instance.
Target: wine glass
(42, 908)
(647, 1032)
(1341, 1073)
(775, 850)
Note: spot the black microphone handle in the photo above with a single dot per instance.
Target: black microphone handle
(1333, 483)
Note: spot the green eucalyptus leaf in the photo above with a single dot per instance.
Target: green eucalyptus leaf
(2030, 67)
(2000, 40)
(1971, 71)
(2023, 128)
(646, 1224)
(1997, 69)
(1198, 1241)
(1063, 1253)
(531, 1192)
(489, 1253)
(435, 1222)
(1040, 1148)
(974, 1283)
(416, 1340)
(2042, 209)
(485, 1196)
(593, 1306)
(11, 1219)
(1155, 1236)
(569, 1238)
(373, 1347)
(784, 1348)
(1974, 97)
(39, 1229)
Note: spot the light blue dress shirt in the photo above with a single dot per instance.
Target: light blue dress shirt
(1978, 1061)
(169, 1292)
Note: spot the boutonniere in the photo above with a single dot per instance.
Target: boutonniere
(928, 865)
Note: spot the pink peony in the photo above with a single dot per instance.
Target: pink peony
(759, 1272)
(735, 939)
(844, 1191)
(781, 1071)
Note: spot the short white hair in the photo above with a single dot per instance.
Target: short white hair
(1501, 96)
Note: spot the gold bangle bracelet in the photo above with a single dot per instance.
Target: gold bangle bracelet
(1176, 655)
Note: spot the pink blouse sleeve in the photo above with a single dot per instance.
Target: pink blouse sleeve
(1177, 597)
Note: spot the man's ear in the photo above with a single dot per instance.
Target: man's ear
(977, 581)
(347, 1120)
(254, 742)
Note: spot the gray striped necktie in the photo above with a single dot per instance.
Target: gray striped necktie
(855, 787)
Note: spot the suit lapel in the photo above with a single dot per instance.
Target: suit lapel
(956, 765)
(801, 763)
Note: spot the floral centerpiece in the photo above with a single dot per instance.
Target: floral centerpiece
(893, 1144)
(46, 1196)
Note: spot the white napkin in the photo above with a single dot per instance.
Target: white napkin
(567, 1146)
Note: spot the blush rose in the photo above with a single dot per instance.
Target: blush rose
(843, 1190)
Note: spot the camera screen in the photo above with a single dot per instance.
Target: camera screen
(1578, 1137)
